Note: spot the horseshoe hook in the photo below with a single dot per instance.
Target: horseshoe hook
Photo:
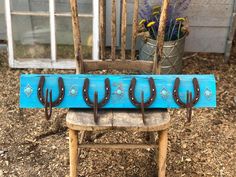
(96, 104)
(190, 100)
(48, 104)
(44, 100)
(142, 105)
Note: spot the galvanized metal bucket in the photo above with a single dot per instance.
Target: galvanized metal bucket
(172, 54)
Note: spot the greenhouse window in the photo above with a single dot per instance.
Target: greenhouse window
(39, 33)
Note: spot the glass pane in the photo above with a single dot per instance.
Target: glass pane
(2, 24)
(65, 49)
(32, 39)
(30, 5)
(85, 6)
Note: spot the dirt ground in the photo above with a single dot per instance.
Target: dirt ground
(30, 146)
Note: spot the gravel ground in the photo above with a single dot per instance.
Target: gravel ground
(31, 146)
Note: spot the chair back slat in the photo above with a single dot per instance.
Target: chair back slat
(76, 37)
(135, 29)
(102, 28)
(114, 62)
(113, 31)
(160, 38)
(123, 28)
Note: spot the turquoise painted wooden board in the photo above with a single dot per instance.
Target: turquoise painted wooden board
(119, 90)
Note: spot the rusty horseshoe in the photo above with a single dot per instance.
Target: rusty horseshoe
(95, 105)
(190, 100)
(44, 100)
(142, 104)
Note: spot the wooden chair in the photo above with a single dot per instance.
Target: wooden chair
(83, 120)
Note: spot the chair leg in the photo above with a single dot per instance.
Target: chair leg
(73, 146)
(81, 138)
(150, 137)
(163, 141)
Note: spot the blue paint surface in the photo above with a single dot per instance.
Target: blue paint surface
(119, 90)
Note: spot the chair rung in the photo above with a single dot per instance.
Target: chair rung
(118, 146)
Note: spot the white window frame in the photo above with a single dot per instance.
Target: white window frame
(50, 62)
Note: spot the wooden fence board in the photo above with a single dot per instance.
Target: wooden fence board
(202, 14)
(206, 39)
(211, 18)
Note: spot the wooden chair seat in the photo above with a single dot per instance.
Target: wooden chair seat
(131, 120)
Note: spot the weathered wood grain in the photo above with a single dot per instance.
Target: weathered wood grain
(206, 39)
(123, 29)
(160, 38)
(134, 29)
(76, 36)
(102, 34)
(109, 19)
(230, 38)
(113, 31)
(73, 145)
(155, 120)
(118, 119)
(209, 15)
(200, 15)
(120, 65)
(163, 142)
(118, 146)
(78, 119)
(209, 25)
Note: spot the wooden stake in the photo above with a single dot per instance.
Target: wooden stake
(73, 145)
(163, 141)
(160, 38)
